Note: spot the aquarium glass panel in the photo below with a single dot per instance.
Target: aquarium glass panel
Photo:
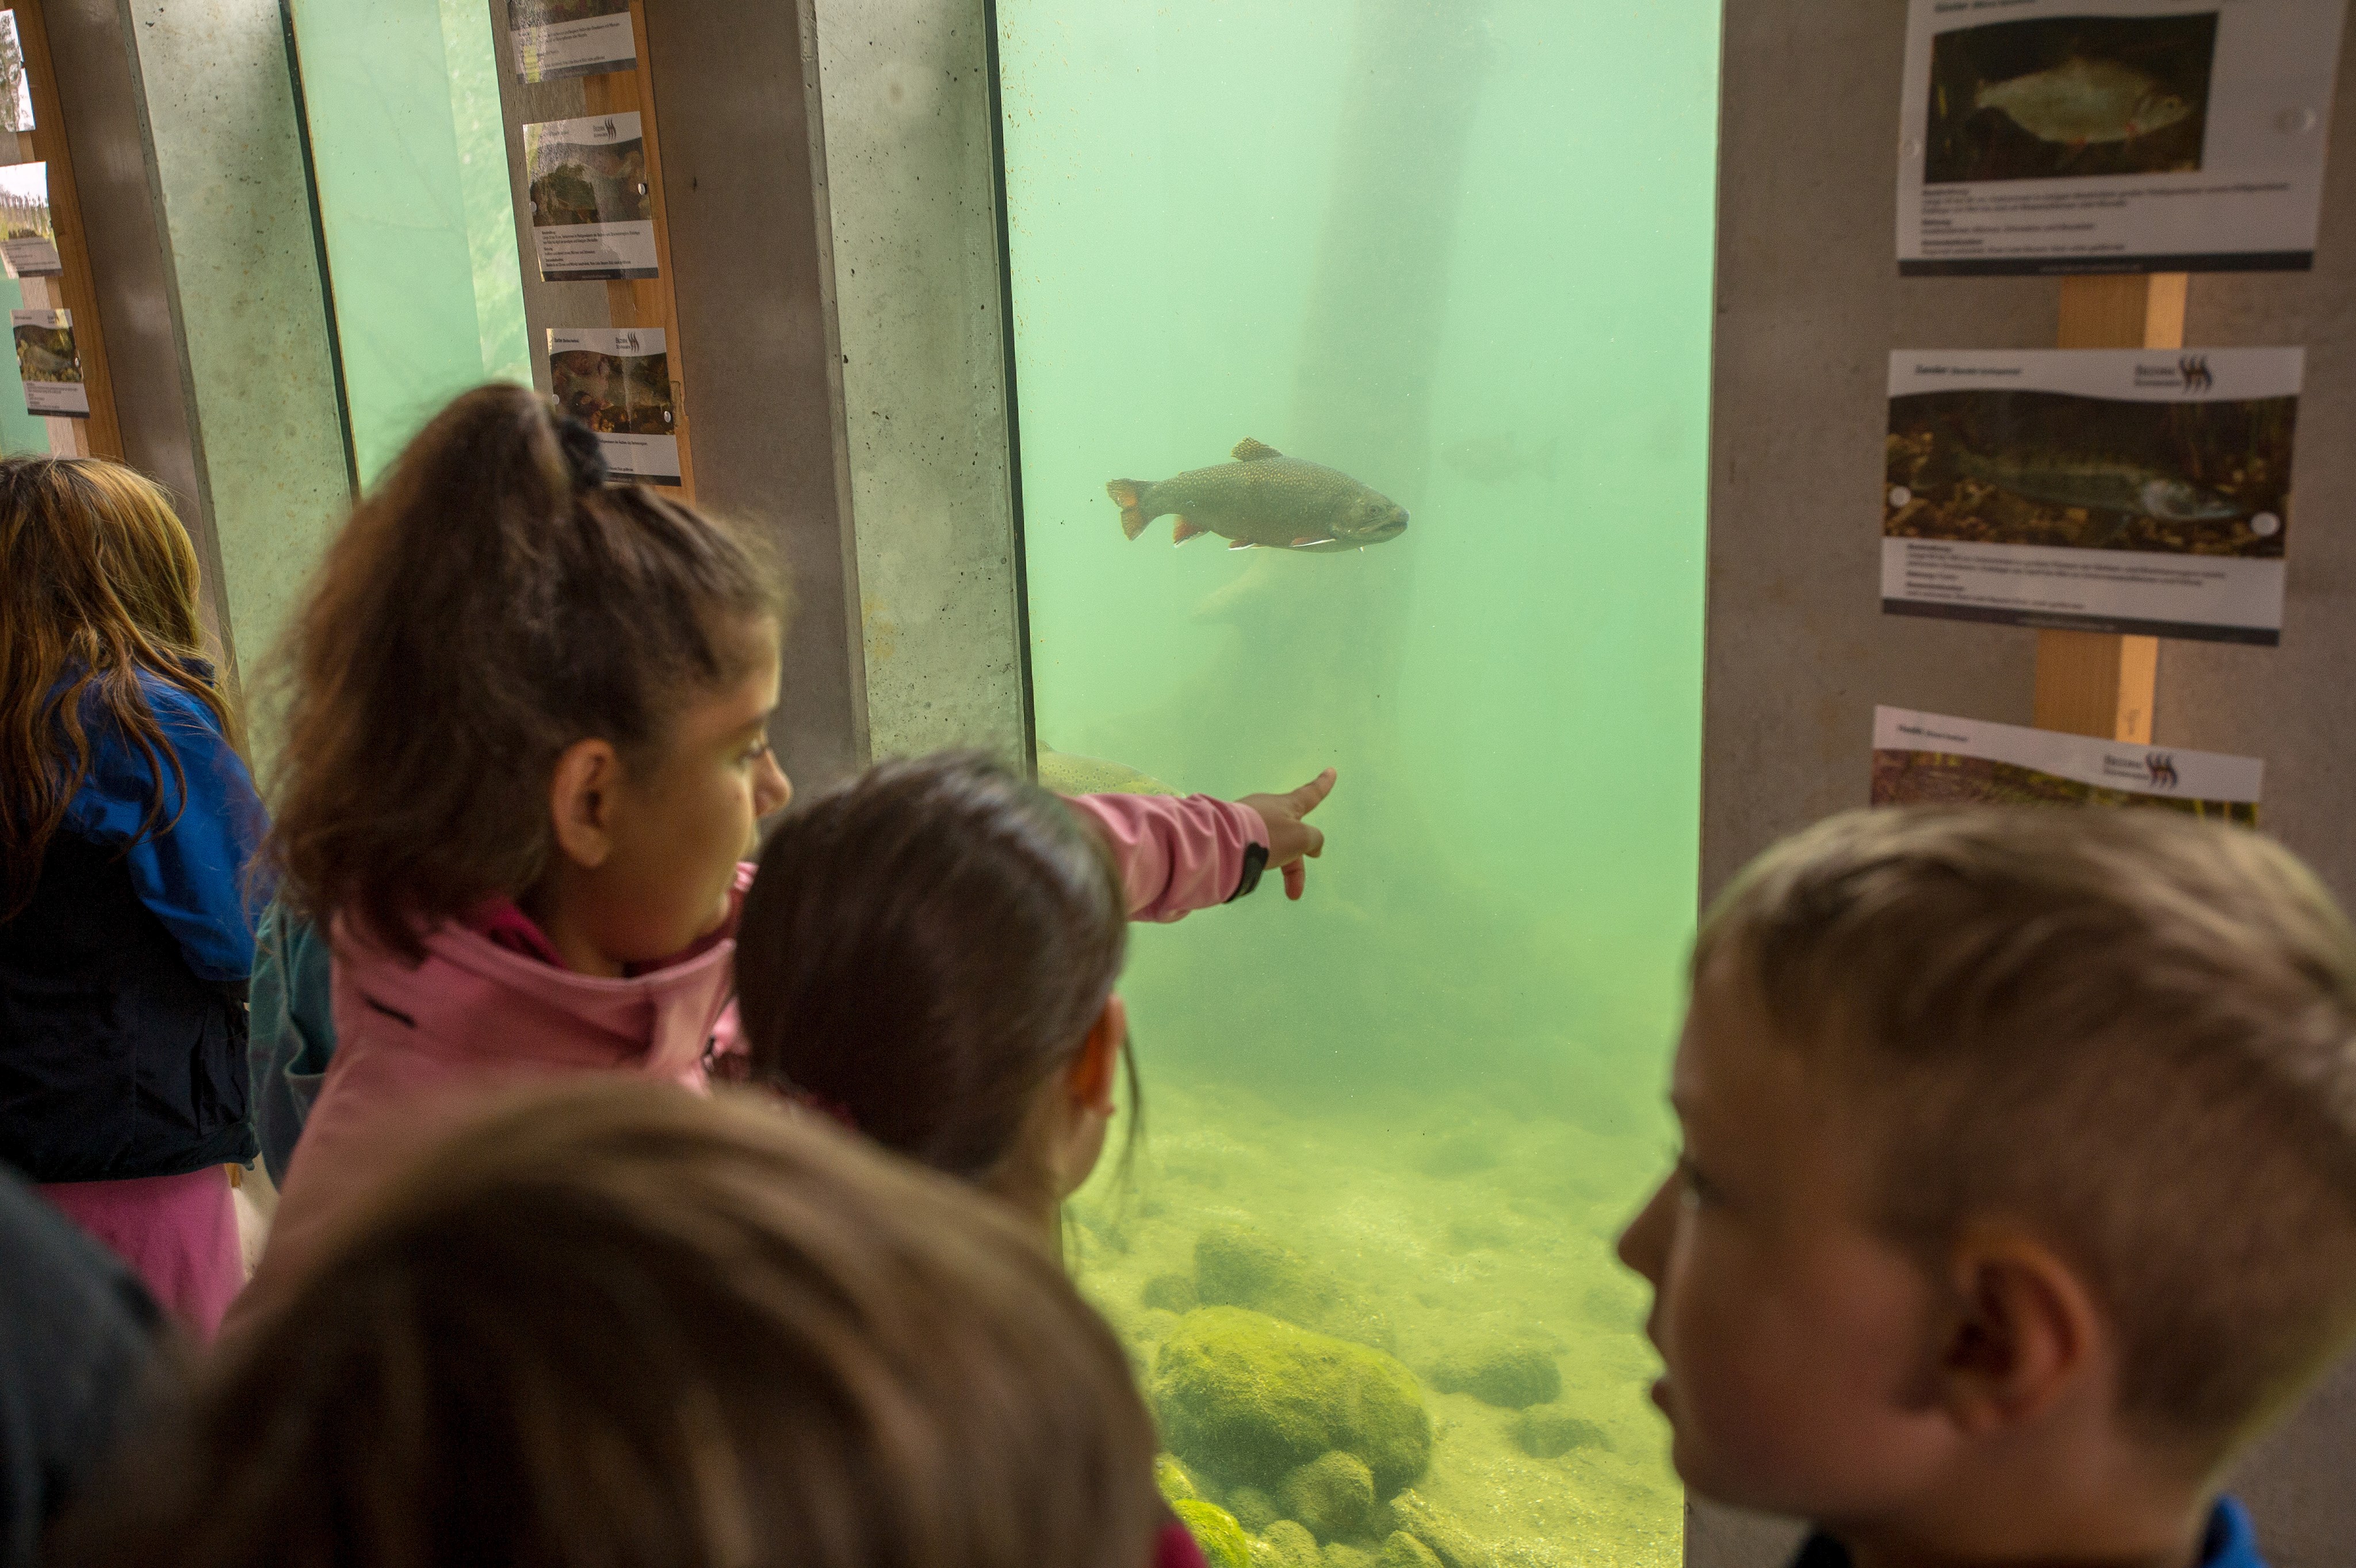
(1457, 254)
(410, 159)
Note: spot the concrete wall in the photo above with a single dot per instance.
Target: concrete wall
(1808, 307)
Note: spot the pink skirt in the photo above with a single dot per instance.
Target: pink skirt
(178, 1233)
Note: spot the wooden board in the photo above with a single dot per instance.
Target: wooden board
(2090, 683)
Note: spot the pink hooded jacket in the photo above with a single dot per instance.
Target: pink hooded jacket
(418, 1046)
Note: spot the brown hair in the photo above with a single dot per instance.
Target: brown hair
(2132, 1030)
(923, 949)
(98, 582)
(488, 606)
(621, 1325)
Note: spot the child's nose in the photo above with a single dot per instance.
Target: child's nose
(1643, 1245)
(771, 789)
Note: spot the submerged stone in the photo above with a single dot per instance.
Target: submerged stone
(1404, 1550)
(1238, 1266)
(1331, 1494)
(1512, 1374)
(1451, 1542)
(1341, 1554)
(1171, 1476)
(1253, 1508)
(1172, 1293)
(1551, 1431)
(1250, 1399)
(1286, 1545)
(1215, 1529)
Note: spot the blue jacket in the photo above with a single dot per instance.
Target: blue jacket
(2230, 1541)
(122, 980)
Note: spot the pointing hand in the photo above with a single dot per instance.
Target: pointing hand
(1289, 838)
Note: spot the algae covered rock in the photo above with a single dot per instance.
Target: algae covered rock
(1171, 1477)
(1332, 1494)
(1286, 1545)
(1250, 1399)
(1404, 1550)
(1514, 1373)
(1253, 1508)
(1215, 1529)
(1450, 1542)
(1341, 1554)
(1549, 1431)
(1238, 1266)
(1172, 1293)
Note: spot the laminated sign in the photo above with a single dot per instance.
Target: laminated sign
(1935, 759)
(2113, 135)
(2135, 491)
(617, 380)
(557, 39)
(28, 240)
(592, 209)
(49, 363)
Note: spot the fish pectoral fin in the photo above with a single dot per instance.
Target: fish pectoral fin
(1303, 543)
(1185, 528)
(1250, 451)
(1241, 544)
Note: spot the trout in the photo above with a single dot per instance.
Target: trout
(1263, 498)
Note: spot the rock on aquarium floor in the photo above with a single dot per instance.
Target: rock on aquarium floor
(1387, 1338)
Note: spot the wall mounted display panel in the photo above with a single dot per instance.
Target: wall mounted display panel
(1454, 262)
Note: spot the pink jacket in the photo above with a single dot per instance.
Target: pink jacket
(418, 1046)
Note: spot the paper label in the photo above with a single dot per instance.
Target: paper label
(29, 239)
(591, 204)
(49, 363)
(557, 39)
(617, 380)
(1934, 758)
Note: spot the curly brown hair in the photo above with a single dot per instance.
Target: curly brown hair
(487, 605)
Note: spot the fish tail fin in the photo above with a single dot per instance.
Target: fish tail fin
(1130, 495)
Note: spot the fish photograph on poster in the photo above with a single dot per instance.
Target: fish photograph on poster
(50, 364)
(2070, 97)
(1935, 759)
(617, 380)
(2018, 467)
(591, 201)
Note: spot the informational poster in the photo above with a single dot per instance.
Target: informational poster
(592, 211)
(2113, 135)
(569, 37)
(16, 92)
(28, 240)
(2132, 490)
(617, 380)
(49, 363)
(1934, 759)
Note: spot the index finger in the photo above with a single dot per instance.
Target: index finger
(1311, 795)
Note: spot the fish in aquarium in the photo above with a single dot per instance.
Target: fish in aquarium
(2080, 102)
(2102, 483)
(1263, 500)
(1068, 773)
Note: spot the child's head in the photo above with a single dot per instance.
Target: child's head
(930, 952)
(98, 582)
(511, 678)
(626, 1325)
(2008, 1134)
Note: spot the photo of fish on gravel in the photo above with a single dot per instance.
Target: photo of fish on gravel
(1263, 500)
(2052, 468)
(2070, 97)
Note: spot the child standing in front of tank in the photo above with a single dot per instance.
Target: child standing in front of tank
(2019, 1188)
(127, 821)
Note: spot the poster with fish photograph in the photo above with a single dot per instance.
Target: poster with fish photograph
(1935, 759)
(593, 208)
(2132, 490)
(28, 240)
(2057, 136)
(557, 39)
(617, 380)
(49, 363)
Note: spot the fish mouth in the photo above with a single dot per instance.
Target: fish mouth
(1390, 529)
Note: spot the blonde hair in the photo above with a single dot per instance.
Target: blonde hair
(620, 1324)
(2133, 1030)
(98, 584)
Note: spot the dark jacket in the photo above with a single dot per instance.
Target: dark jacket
(121, 984)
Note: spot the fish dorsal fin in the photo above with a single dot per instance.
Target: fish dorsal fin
(1250, 451)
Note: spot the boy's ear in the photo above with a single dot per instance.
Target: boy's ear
(2024, 1332)
(581, 801)
(1097, 1067)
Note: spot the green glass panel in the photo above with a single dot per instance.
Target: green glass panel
(1461, 253)
(20, 432)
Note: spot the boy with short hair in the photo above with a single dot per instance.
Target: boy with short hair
(2019, 1186)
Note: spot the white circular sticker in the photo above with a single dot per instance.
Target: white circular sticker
(2294, 122)
(1899, 495)
(2265, 525)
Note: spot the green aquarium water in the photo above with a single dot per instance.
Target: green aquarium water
(1460, 252)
